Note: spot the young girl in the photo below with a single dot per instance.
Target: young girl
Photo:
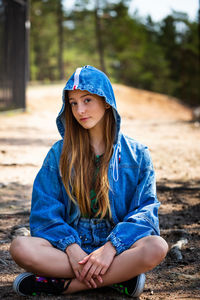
(94, 213)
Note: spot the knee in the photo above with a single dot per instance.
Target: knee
(160, 247)
(16, 247)
(155, 251)
(21, 252)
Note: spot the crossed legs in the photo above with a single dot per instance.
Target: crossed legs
(38, 256)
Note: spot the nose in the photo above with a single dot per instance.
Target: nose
(80, 108)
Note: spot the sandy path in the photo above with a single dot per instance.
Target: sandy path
(156, 120)
(174, 142)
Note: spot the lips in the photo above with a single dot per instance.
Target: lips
(84, 119)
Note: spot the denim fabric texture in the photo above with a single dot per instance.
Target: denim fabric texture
(133, 200)
(93, 233)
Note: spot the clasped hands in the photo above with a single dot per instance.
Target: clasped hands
(90, 268)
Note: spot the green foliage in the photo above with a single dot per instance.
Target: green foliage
(180, 47)
(161, 57)
(43, 40)
(141, 62)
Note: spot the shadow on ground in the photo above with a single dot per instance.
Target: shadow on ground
(179, 217)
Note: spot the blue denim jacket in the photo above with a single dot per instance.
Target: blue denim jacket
(132, 194)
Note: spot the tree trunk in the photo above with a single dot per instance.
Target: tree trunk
(100, 48)
(60, 39)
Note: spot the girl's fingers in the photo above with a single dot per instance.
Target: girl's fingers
(84, 271)
(88, 284)
(90, 273)
(103, 271)
(93, 283)
(83, 261)
(97, 274)
(97, 271)
(99, 278)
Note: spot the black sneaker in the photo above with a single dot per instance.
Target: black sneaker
(29, 284)
(133, 287)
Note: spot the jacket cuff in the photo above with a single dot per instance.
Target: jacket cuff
(64, 243)
(116, 242)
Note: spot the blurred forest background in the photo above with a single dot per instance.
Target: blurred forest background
(157, 56)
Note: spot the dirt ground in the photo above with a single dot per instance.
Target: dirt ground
(160, 122)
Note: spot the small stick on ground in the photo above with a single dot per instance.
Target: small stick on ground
(176, 248)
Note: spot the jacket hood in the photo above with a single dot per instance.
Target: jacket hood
(94, 81)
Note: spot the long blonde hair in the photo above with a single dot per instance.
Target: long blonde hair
(77, 163)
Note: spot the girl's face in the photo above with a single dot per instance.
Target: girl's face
(88, 109)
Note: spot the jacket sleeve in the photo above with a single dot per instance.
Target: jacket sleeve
(142, 216)
(48, 211)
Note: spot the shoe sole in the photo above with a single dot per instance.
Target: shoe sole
(139, 286)
(17, 282)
